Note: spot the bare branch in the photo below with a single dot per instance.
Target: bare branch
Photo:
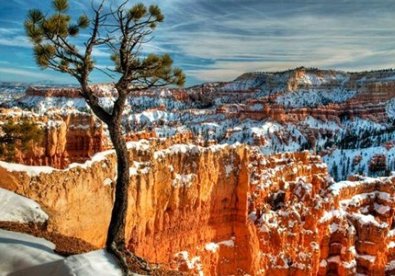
(105, 72)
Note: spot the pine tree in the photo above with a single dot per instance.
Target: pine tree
(123, 31)
(344, 171)
(23, 135)
(335, 171)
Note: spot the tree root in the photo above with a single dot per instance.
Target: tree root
(128, 261)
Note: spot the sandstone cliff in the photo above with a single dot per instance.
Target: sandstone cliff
(67, 138)
(222, 210)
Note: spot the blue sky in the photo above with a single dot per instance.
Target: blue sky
(220, 39)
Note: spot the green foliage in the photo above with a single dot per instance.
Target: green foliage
(64, 65)
(22, 135)
(35, 16)
(43, 53)
(73, 30)
(137, 12)
(155, 11)
(56, 25)
(179, 76)
(154, 67)
(60, 5)
(83, 22)
(35, 34)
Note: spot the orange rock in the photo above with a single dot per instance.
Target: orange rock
(225, 210)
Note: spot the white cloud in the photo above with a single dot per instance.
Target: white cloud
(29, 74)
(16, 41)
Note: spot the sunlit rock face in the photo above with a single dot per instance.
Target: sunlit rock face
(66, 138)
(223, 209)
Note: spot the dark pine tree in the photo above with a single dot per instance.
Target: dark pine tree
(22, 135)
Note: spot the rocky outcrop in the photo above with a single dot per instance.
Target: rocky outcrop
(101, 90)
(331, 112)
(378, 163)
(67, 138)
(174, 192)
(223, 209)
(368, 94)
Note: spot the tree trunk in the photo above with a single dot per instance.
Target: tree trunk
(116, 231)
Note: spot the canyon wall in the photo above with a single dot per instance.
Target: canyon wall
(178, 201)
(223, 209)
(66, 138)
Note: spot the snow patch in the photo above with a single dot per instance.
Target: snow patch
(28, 255)
(31, 171)
(16, 208)
(183, 180)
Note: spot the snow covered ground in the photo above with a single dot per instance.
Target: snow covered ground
(312, 98)
(22, 254)
(340, 161)
(16, 208)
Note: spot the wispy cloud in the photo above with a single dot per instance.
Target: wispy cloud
(241, 36)
(20, 74)
(219, 40)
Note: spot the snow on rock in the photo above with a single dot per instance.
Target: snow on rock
(350, 264)
(30, 170)
(323, 263)
(368, 258)
(390, 109)
(141, 145)
(107, 182)
(390, 266)
(212, 246)
(139, 168)
(183, 180)
(357, 199)
(16, 208)
(229, 169)
(369, 219)
(311, 98)
(381, 209)
(151, 116)
(22, 254)
(177, 149)
(311, 78)
(328, 215)
(336, 188)
(228, 243)
(42, 104)
(334, 259)
(193, 263)
(333, 228)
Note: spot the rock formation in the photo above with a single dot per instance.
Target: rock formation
(223, 210)
(68, 138)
